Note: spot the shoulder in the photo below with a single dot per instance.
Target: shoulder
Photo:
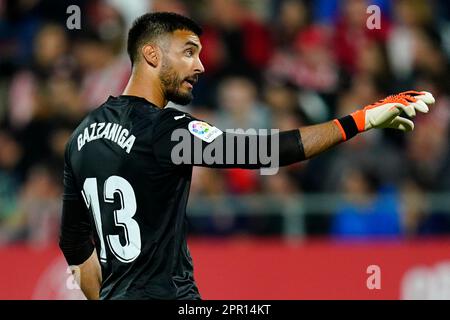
(175, 114)
(172, 119)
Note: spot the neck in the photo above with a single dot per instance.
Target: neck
(147, 87)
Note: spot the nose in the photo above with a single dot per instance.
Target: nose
(199, 69)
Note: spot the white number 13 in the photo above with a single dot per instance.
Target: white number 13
(122, 217)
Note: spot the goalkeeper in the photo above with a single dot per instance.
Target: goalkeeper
(124, 202)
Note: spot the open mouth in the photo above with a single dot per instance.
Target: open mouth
(190, 82)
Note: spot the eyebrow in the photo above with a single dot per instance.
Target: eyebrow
(192, 43)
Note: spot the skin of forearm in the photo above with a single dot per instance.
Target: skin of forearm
(90, 277)
(319, 138)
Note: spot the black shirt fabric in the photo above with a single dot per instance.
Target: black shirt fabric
(124, 195)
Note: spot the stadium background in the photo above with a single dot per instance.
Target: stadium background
(309, 232)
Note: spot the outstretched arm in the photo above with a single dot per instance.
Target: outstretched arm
(319, 138)
(383, 114)
(181, 139)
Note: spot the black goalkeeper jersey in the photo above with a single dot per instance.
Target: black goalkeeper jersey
(126, 186)
(118, 165)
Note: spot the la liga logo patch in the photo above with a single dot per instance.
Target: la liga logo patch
(204, 131)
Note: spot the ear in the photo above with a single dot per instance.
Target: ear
(151, 54)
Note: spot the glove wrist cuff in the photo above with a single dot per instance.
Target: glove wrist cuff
(348, 127)
(359, 117)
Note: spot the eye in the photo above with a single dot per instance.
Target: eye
(189, 52)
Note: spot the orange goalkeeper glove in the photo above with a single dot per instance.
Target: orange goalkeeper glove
(386, 113)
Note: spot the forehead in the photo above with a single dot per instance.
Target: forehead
(184, 37)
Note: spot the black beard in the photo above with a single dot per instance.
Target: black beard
(179, 98)
(172, 84)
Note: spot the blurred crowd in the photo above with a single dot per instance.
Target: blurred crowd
(269, 64)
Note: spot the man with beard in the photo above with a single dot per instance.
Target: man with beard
(125, 194)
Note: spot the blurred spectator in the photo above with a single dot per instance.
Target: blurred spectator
(220, 218)
(428, 149)
(414, 207)
(417, 217)
(40, 206)
(373, 62)
(239, 106)
(282, 98)
(241, 109)
(234, 39)
(10, 179)
(367, 211)
(104, 71)
(235, 42)
(132, 9)
(284, 213)
(37, 217)
(290, 20)
(351, 34)
(409, 16)
(170, 5)
(99, 50)
(327, 11)
(308, 63)
(49, 57)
